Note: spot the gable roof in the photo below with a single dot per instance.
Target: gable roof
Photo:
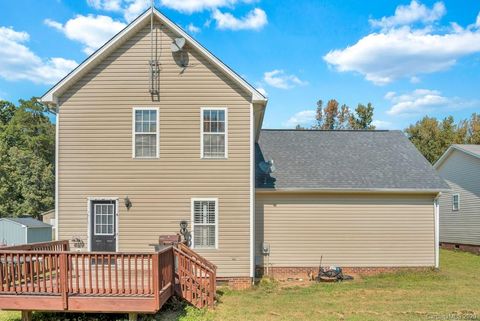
(344, 161)
(125, 34)
(470, 149)
(29, 222)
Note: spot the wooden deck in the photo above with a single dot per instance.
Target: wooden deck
(49, 277)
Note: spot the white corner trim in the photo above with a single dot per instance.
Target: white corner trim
(57, 140)
(117, 219)
(202, 109)
(157, 109)
(63, 84)
(437, 229)
(252, 193)
(192, 218)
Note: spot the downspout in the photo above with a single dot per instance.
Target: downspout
(436, 207)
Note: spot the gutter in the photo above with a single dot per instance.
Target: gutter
(350, 190)
(436, 208)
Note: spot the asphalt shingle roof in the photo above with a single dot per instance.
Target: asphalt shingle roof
(314, 159)
(27, 221)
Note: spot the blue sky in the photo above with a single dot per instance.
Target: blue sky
(409, 58)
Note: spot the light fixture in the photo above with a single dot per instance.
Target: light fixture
(127, 202)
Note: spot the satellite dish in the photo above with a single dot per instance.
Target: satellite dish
(267, 167)
(178, 44)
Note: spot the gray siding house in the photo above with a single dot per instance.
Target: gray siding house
(460, 208)
(23, 230)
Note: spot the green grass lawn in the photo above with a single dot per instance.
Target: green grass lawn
(453, 293)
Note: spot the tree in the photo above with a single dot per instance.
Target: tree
(432, 137)
(473, 129)
(362, 118)
(7, 110)
(27, 155)
(331, 117)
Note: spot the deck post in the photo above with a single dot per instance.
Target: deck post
(26, 315)
(132, 317)
(157, 279)
(64, 279)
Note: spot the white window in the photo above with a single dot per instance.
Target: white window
(145, 132)
(455, 202)
(205, 223)
(214, 133)
(104, 219)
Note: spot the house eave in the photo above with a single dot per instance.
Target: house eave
(351, 190)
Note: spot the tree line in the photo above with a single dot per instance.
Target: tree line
(430, 135)
(27, 158)
(27, 146)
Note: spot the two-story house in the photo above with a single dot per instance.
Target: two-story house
(153, 129)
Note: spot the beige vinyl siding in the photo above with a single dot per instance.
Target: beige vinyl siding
(462, 173)
(350, 230)
(95, 151)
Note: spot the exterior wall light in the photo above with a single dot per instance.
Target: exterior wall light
(127, 202)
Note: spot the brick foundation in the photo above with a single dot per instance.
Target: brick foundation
(475, 249)
(236, 283)
(283, 273)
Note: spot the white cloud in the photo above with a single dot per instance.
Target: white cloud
(18, 62)
(92, 31)
(399, 52)
(412, 13)
(192, 28)
(279, 79)
(134, 8)
(384, 57)
(422, 101)
(262, 91)
(255, 20)
(108, 5)
(302, 118)
(381, 124)
(129, 8)
(190, 6)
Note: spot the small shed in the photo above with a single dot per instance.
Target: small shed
(23, 230)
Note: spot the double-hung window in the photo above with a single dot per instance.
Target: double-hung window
(214, 133)
(455, 202)
(145, 132)
(205, 223)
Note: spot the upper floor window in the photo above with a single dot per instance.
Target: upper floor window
(205, 223)
(214, 133)
(145, 132)
(455, 202)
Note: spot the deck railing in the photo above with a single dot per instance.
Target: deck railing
(197, 280)
(42, 246)
(32, 270)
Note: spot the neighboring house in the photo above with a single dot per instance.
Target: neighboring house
(460, 207)
(23, 230)
(48, 217)
(138, 152)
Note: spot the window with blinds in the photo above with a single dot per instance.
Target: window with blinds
(145, 133)
(214, 133)
(204, 219)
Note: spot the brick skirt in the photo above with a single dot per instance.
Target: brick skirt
(475, 249)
